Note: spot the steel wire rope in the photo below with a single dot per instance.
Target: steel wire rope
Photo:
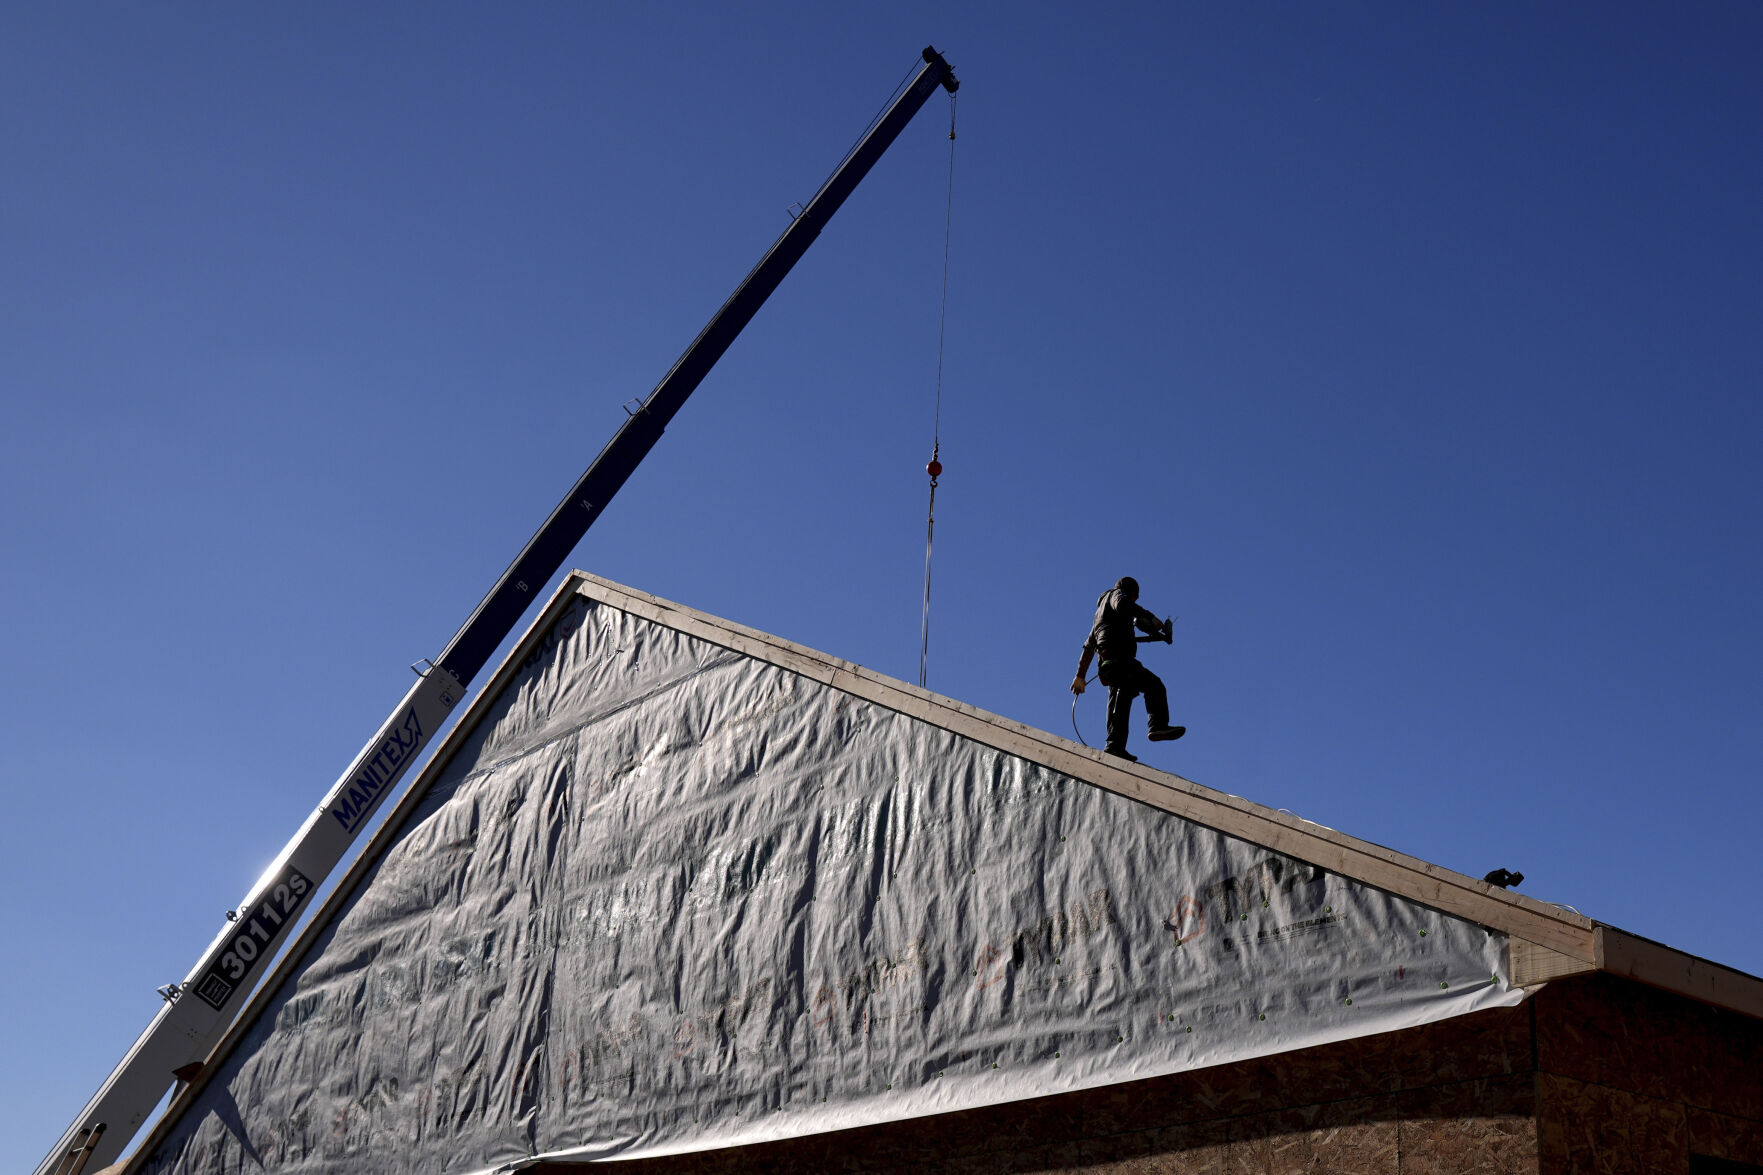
(935, 468)
(852, 149)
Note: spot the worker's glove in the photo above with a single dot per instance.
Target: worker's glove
(1077, 684)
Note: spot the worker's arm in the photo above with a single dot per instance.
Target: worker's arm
(1147, 623)
(1083, 666)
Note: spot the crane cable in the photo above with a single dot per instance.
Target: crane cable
(935, 468)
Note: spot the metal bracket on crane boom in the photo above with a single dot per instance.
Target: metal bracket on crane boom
(76, 1159)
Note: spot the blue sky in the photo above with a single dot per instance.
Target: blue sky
(1408, 353)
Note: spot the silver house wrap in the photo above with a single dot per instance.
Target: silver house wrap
(675, 885)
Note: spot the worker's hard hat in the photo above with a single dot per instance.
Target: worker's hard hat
(1129, 585)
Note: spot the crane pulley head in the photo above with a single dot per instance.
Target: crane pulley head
(932, 57)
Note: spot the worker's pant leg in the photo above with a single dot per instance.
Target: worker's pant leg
(1126, 680)
(1156, 698)
(1120, 698)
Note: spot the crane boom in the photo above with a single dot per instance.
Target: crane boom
(199, 1010)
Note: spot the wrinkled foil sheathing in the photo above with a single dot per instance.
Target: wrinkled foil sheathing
(671, 897)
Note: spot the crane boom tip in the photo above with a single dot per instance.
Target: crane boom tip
(932, 57)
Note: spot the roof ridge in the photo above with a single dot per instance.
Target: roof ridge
(1518, 915)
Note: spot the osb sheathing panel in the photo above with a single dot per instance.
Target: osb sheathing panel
(1721, 1137)
(1650, 1043)
(1486, 1126)
(1633, 1079)
(1584, 1127)
(1456, 1097)
(1360, 1137)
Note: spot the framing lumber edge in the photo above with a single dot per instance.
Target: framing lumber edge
(1546, 942)
(1657, 965)
(1518, 916)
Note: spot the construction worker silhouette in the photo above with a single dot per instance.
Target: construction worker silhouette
(1114, 637)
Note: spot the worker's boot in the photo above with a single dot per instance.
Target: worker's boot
(1121, 752)
(1163, 734)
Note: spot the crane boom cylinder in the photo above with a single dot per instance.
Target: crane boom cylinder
(199, 1010)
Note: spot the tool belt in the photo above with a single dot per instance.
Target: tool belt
(1102, 669)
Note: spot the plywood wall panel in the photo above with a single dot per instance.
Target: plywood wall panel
(1721, 1136)
(1584, 1127)
(1198, 1148)
(1626, 1036)
(1469, 1146)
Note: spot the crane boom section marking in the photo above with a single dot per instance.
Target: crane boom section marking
(258, 928)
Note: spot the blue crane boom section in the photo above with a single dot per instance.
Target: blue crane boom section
(544, 554)
(198, 1011)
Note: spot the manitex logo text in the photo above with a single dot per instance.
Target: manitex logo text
(365, 791)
